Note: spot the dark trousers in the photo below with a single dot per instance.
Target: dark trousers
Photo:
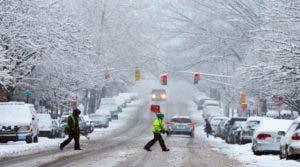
(69, 139)
(157, 137)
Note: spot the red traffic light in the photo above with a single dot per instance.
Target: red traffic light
(196, 75)
(164, 76)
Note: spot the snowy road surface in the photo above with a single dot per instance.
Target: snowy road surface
(123, 147)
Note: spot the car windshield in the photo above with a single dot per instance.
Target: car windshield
(252, 124)
(44, 119)
(181, 120)
(238, 123)
(158, 91)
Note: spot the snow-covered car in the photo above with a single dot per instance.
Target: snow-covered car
(18, 122)
(215, 124)
(47, 126)
(220, 129)
(105, 112)
(82, 124)
(233, 135)
(120, 101)
(113, 109)
(110, 102)
(211, 102)
(228, 126)
(158, 95)
(210, 112)
(290, 142)
(89, 124)
(181, 125)
(201, 102)
(248, 130)
(126, 96)
(266, 138)
(99, 121)
(59, 130)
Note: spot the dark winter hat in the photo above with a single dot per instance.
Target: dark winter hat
(76, 111)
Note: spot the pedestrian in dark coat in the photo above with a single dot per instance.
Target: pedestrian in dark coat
(207, 128)
(72, 129)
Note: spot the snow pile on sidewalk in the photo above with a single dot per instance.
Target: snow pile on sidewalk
(242, 153)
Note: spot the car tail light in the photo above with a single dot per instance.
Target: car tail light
(263, 136)
(170, 124)
(295, 136)
(191, 125)
(25, 128)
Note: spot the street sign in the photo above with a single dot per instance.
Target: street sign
(155, 108)
(26, 93)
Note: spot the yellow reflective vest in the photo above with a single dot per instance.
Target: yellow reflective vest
(158, 126)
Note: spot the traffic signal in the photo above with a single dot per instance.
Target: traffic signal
(164, 79)
(243, 101)
(137, 74)
(196, 77)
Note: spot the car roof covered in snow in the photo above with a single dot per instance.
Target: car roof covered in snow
(256, 118)
(15, 113)
(181, 117)
(274, 125)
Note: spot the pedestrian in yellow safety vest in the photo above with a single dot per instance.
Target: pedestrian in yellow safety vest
(158, 127)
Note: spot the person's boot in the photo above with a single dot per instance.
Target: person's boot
(147, 148)
(166, 150)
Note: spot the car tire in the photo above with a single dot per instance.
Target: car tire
(29, 139)
(287, 156)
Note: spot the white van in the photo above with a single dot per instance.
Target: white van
(18, 122)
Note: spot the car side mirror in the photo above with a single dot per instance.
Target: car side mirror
(281, 133)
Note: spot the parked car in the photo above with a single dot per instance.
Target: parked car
(99, 121)
(121, 102)
(18, 122)
(228, 126)
(82, 124)
(47, 126)
(248, 130)
(211, 102)
(105, 112)
(220, 129)
(59, 130)
(126, 96)
(215, 124)
(234, 133)
(290, 142)
(210, 112)
(181, 125)
(158, 95)
(200, 103)
(266, 138)
(89, 124)
(113, 109)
